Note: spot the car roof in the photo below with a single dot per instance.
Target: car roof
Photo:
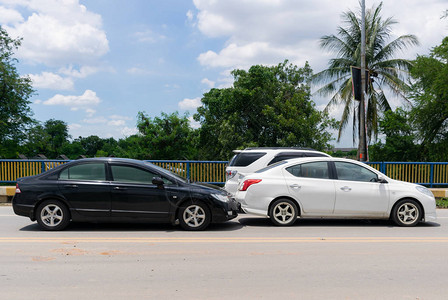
(275, 148)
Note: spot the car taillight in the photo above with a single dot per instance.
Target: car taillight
(247, 183)
(230, 174)
(18, 191)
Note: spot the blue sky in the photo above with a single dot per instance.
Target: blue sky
(95, 64)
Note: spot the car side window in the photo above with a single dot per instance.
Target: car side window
(89, 172)
(310, 170)
(353, 172)
(134, 175)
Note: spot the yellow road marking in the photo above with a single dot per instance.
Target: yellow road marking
(240, 240)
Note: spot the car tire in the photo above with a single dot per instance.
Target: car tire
(283, 212)
(194, 216)
(407, 213)
(52, 215)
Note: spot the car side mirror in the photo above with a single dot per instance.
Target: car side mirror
(381, 179)
(158, 181)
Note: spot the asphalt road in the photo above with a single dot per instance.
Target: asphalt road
(246, 258)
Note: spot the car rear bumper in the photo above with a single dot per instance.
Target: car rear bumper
(24, 210)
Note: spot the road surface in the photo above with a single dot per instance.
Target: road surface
(246, 258)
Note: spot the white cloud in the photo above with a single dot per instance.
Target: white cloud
(116, 123)
(52, 81)
(128, 131)
(207, 82)
(148, 36)
(190, 15)
(85, 101)
(267, 32)
(9, 16)
(83, 72)
(194, 124)
(190, 104)
(118, 117)
(59, 32)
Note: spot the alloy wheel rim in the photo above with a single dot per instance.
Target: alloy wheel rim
(408, 213)
(194, 216)
(284, 212)
(51, 215)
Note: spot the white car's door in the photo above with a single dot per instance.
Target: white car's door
(310, 184)
(358, 193)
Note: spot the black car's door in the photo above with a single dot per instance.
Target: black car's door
(135, 196)
(85, 188)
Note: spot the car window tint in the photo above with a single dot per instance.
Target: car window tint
(271, 166)
(94, 172)
(285, 156)
(245, 159)
(310, 170)
(353, 172)
(131, 174)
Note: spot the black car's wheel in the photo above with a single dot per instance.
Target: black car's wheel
(407, 212)
(283, 212)
(52, 215)
(194, 216)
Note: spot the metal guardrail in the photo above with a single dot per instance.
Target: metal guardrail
(425, 173)
(200, 171)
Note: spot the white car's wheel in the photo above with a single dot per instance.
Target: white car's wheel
(283, 212)
(407, 212)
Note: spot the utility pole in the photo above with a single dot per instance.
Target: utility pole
(362, 147)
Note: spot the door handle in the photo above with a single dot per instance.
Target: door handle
(295, 186)
(117, 188)
(71, 186)
(346, 189)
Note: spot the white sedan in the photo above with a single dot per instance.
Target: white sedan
(332, 188)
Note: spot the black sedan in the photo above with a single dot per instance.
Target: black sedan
(118, 190)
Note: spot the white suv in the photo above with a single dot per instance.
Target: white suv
(249, 160)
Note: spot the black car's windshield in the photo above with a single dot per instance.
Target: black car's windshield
(167, 172)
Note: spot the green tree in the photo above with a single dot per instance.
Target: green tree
(57, 131)
(266, 107)
(166, 137)
(386, 70)
(48, 139)
(15, 90)
(429, 93)
(401, 141)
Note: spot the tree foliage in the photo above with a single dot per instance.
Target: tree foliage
(401, 142)
(381, 62)
(15, 113)
(266, 107)
(166, 137)
(430, 94)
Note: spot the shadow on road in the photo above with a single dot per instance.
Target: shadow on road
(110, 227)
(265, 222)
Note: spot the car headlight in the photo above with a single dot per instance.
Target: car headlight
(220, 197)
(424, 190)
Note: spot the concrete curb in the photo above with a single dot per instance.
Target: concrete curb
(6, 193)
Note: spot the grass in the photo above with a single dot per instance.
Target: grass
(442, 203)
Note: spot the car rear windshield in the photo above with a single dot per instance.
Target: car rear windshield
(285, 156)
(245, 159)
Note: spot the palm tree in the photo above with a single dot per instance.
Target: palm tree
(387, 71)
